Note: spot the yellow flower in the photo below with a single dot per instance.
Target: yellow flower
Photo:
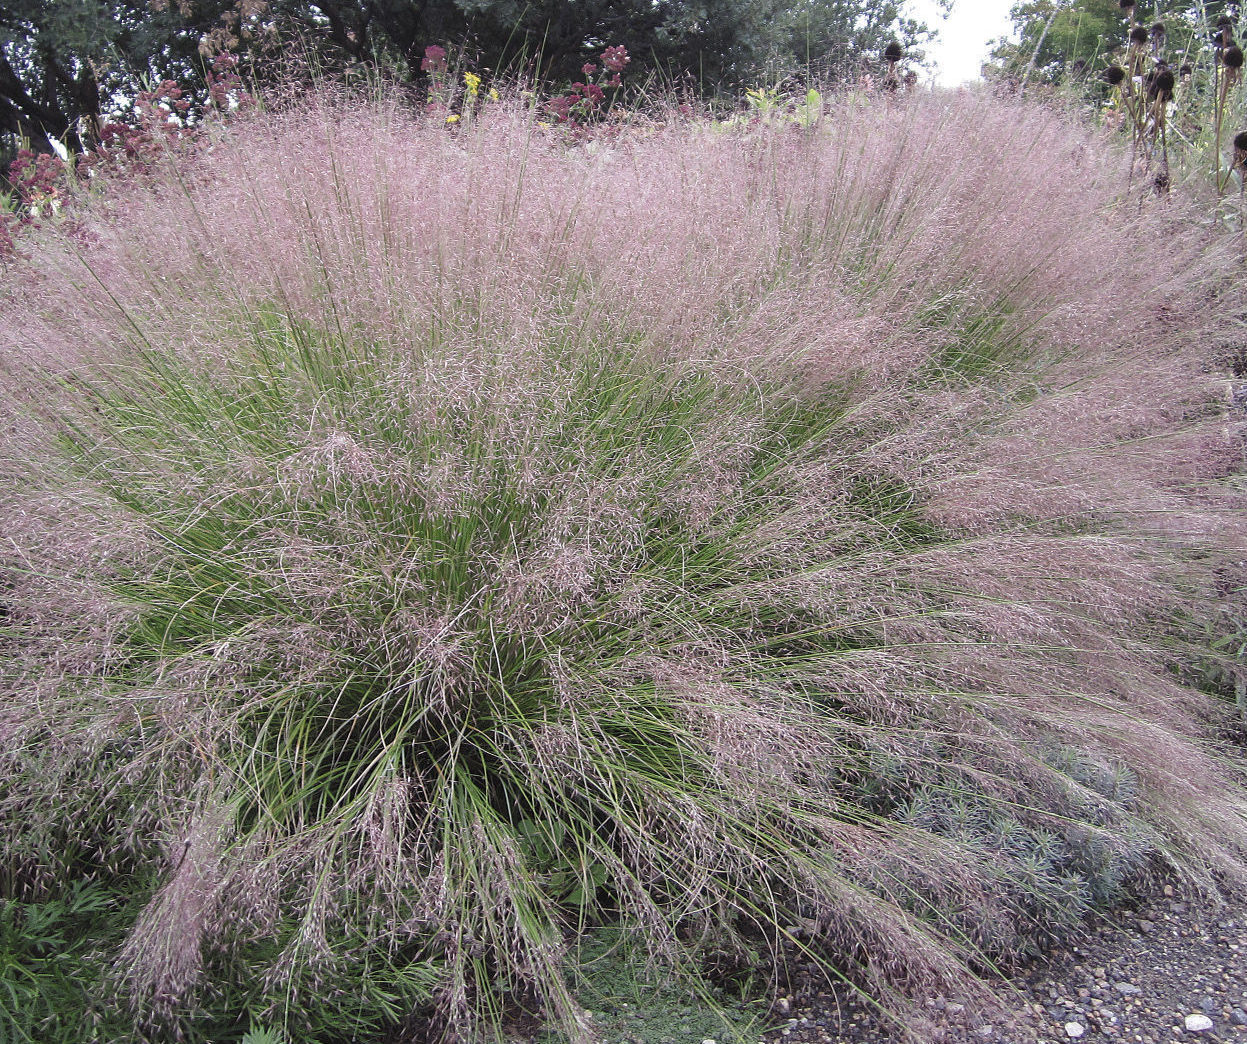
(472, 82)
(453, 118)
(493, 94)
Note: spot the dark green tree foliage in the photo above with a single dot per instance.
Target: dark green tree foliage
(837, 35)
(1052, 36)
(710, 38)
(718, 43)
(64, 64)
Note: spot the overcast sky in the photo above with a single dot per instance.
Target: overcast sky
(964, 37)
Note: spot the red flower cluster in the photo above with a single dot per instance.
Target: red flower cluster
(34, 180)
(615, 58)
(224, 83)
(434, 60)
(136, 147)
(584, 100)
(33, 177)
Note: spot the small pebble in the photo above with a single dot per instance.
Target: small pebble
(1197, 1023)
(1074, 1029)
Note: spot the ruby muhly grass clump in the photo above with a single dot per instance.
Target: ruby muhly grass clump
(421, 548)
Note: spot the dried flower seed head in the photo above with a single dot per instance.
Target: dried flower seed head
(1127, 5)
(1232, 57)
(1186, 71)
(1113, 75)
(1157, 35)
(1240, 153)
(893, 53)
(1138, 36)
(1160, 83)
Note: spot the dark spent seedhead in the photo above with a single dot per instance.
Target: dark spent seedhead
(1240, 141)
(1158, 31)
(1162, 84)
(1113, 75)
(893, 52)
(1232, 57)
(1126, 5)
(1138, 35)
(1186, 70)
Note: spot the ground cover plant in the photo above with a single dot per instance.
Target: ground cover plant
(426, 546)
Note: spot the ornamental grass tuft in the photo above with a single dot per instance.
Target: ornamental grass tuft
(422, 546)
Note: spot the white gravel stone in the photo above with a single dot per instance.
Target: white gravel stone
(1198, 1023)
(1074, 1030)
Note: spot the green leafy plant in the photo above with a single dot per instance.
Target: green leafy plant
(52, 953)
(263, 1035)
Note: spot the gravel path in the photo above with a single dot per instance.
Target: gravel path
(1171, 971)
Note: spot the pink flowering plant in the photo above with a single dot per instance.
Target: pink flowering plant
(585, 103)
(434, 65)
(159, 123)
(226, 90)
(162, 122)
(766, 556)
(37, 189)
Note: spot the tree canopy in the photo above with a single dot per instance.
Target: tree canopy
(1055, 36)
(64, 64)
